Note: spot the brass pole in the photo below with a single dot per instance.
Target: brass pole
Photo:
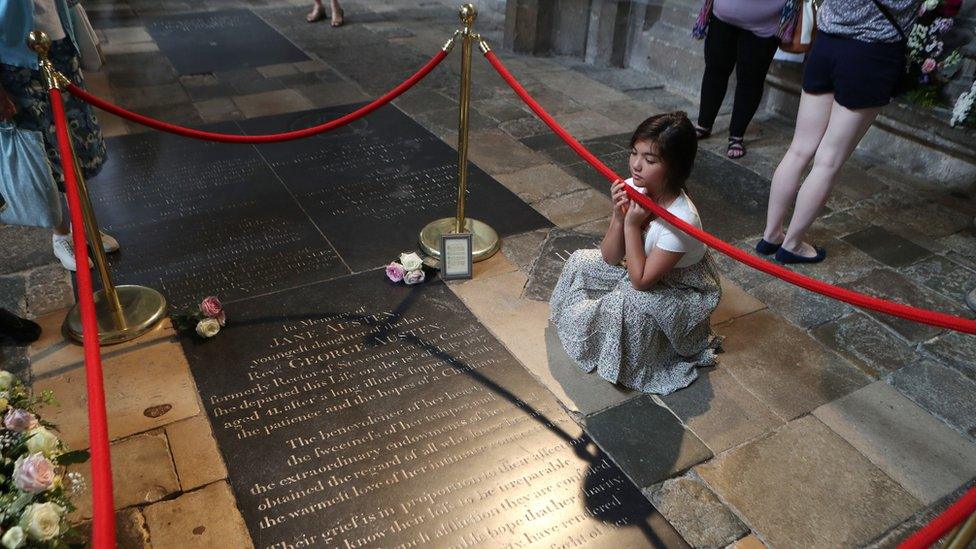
(965, 535)
(468, 15)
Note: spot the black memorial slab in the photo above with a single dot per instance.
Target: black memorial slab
(198, 218)
(558, 246)
(373, 185)
(358, 413)
(220, 40)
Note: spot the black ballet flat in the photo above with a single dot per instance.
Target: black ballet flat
(785, 256)
(765, 247)
(18, 329)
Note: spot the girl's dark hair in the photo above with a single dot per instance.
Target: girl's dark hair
(676, 142)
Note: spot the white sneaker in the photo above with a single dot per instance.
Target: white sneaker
(64, 250)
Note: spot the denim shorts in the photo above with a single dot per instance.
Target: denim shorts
(859, 74)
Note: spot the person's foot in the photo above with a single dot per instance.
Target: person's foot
(18, 329)
(337, 18)
(806, 254)
(109, 243)
(765, 247)
(317, 14)
(971, 299)
(702, 133)
(64, 250)
(736, 149)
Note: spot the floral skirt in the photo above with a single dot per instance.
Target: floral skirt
(651, 341)
(29, 93)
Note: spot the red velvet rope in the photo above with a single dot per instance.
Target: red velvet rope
(103, 508)
(923, 316)
(949, 519)
(274, 138)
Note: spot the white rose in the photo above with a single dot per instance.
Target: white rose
(931, 4)
(42, 520)
(414, 277)
(13, 538)
(42, 441)
(411, 261)
(208, 327)
(6, 380)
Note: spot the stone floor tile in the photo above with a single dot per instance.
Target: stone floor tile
(556, 250)
(582, 89)
(893, 286)
(501, 109)
(205, 518)
(588, 124)
(748, 542)
(802, 307)
(274, 71)
(127, 35)
(540, 182)
(844, 263)
(806, 487)
(130, 529)
(122, 48)
(934, 220)
(272, 102)
(218, 110)
(570, 210)
(183, 114)
(142, 472)
(48, 289)
(735, 302)
(312, 65)
(597, 227)
(949, 279)
(497, 153)
(720, 410)
(955, 350)
(743, 275)
(915, 449)
(198, 461)
(330, 95)
(646, 441)
(695, 512)
(586, 392)
(140, 98)
(525, 127)
(146, 386)
(523, 249)
(783, 366)
(893, 538)
(886, 247)
(866, 343)
(25, 248)
(421, 101)
(942, 391)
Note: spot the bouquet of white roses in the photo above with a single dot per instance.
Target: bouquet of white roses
(410, 269)
(35, 490)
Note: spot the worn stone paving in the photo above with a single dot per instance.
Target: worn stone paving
(821, 426)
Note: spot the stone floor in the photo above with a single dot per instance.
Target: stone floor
(822, 425)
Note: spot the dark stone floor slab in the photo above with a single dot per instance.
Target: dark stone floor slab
(887, 247)
(942, 391)
(731, 199)
(866, 343)
(956, 350)
(361, 413)
(197, 218)
(549, 265)
(946, 277)
(373, 185)
(589, 392)
(220, 40)
(646, 441)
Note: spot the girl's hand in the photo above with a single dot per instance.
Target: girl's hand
(636, 216)
(618, 194)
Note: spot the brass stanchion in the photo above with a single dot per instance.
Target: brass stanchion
(484, 239)
(123, 312)
(964, 534)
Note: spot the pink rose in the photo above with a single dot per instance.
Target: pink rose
(395, 272)
(414, 277)
(211, 307)
(34, 473)
(19, 420)
(928, 66)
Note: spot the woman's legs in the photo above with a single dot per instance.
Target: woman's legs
(845, 129)
(811, 123)
(317, 13)
(754, 55)
(336, 14)
(720, 52)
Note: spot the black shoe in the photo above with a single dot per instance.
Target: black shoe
(765, 247)
(19, 329)
(785, 256)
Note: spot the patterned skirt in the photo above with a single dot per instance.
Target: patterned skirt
(651, 341)
(29, 93)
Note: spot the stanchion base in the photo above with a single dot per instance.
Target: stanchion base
(142, 308)
(484, 239)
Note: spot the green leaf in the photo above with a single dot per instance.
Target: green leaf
(77, 456)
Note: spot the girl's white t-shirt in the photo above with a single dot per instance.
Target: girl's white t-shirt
(668, 237)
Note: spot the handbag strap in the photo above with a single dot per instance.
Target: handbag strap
(891, 19)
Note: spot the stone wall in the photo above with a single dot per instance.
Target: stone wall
(654, 35)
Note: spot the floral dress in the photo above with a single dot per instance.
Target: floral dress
(29, 93)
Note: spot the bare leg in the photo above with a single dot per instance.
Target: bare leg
(811, 123)
(844, 130)
(317, 13)
(336, 14)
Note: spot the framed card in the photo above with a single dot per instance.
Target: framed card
(456, 262)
